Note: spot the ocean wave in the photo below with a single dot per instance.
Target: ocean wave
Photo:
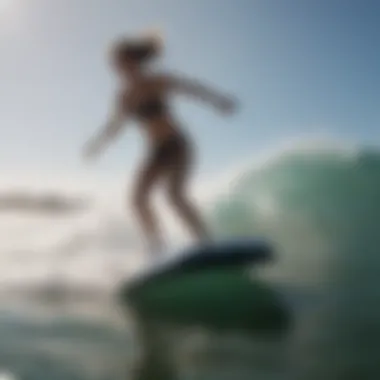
(317, 205)
(320, 208)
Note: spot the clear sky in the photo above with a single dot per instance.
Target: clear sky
(297, 66)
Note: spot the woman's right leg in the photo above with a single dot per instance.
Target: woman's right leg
(146, 180)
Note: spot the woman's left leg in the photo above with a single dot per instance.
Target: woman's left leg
(178, 173)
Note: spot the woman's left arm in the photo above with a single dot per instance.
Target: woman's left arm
(180, 84)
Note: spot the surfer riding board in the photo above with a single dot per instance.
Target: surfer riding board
(144, 96)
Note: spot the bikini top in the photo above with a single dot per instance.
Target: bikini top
(150, 108)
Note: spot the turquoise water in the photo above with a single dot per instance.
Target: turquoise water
(320, 208)
(83, 341)
(67, 340)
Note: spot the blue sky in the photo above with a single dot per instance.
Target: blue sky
(297, 66)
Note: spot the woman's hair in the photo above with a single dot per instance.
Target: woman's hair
(141, 49)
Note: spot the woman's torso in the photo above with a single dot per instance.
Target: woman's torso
(147, 102)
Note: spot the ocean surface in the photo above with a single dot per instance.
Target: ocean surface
(319, 205)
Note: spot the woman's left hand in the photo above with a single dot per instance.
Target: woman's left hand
(227, 105)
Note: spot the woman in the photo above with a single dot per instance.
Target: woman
(144, 97)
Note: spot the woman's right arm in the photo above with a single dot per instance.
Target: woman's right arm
(108, 132)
